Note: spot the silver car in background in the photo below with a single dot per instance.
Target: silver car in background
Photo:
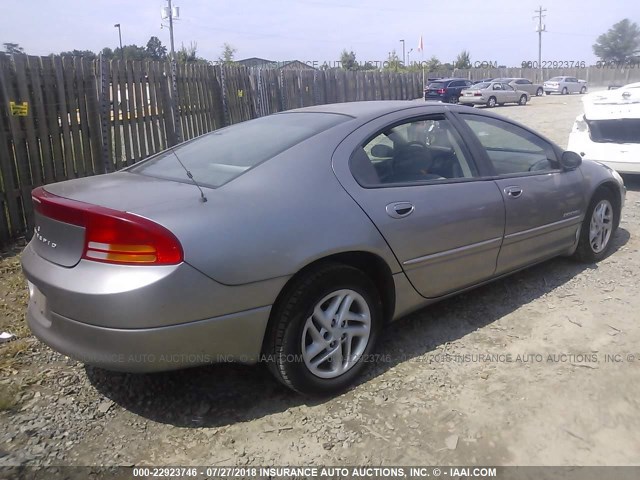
(564, 85)
(492, 94)
(293, 238)
(533, 89)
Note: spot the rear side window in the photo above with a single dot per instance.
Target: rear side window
(218, 157)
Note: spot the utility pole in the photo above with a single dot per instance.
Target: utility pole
(169, 12)
(540, 28)
(173, 52)
(403, 57)
(117, 25)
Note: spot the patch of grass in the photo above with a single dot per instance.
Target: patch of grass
(9, 351)
(8, 397)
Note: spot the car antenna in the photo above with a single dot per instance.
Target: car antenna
(190, 175)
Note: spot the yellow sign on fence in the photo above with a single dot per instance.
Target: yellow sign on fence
(19, 109)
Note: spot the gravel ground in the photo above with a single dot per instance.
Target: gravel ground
(551, 377)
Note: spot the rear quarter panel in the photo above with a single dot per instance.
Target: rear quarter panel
(275, 219)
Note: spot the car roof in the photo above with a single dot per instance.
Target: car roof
(361, 109)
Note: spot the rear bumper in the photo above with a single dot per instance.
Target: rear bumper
(229, 338)
(472, 100)
(623, 158)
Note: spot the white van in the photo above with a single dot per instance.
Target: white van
(609, 129)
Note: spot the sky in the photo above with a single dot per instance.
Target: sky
(317, 31)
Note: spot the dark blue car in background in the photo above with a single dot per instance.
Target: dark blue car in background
(446, 90)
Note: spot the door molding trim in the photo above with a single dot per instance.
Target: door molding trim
(541, 230)
(465, 250)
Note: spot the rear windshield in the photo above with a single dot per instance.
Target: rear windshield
(624, 130)
(555, 79)
(218, 157)
(479, 86)
(437, 85)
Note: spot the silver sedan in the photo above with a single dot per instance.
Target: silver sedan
(292, 239)
(492, 94)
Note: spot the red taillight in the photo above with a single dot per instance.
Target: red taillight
(441, 91)
(112, 236)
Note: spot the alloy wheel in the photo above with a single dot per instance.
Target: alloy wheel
(601, 226)
(336, 334)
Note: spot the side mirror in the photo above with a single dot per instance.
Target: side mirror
(570, 160)
(382, 151)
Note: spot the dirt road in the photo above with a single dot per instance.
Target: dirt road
(542, 368)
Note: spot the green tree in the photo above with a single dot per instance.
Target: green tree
(620, 43)
(190, 54)
(107, 53)
(228, 54)
(11, 48)
(433, 64)
(463, 61)
(80, 53)
(393, 63)
(348, 60)
(155, 49)
(130, 52)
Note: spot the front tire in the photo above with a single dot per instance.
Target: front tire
(583, 90)
(523, 100)
(325, 326)
(548, 93)
(598, 228)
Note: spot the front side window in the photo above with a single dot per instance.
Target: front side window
(511, 149)
(428, 149)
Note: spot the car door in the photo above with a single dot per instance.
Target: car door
(418, 183)
(544, 205)
(510, 95)
(498, 92)
(525, 85)
(574, 85)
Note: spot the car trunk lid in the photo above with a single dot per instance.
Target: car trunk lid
(113, 210)
(613, 116)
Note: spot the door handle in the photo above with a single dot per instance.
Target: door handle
(400, 209)
(513, 192)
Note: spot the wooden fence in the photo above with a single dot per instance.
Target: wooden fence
(68, 117)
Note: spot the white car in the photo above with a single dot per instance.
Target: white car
(564, 85)
(609, 129)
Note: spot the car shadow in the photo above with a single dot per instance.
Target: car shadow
(219, 395)
(632, 182)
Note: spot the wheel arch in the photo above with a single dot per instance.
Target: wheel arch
(611, 187)
(369, 263)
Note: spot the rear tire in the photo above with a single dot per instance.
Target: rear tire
(539, 92)
(523, 100)
(331, 312)
(565, 91)
(491, 102)
(548, 93)
(598, 227)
